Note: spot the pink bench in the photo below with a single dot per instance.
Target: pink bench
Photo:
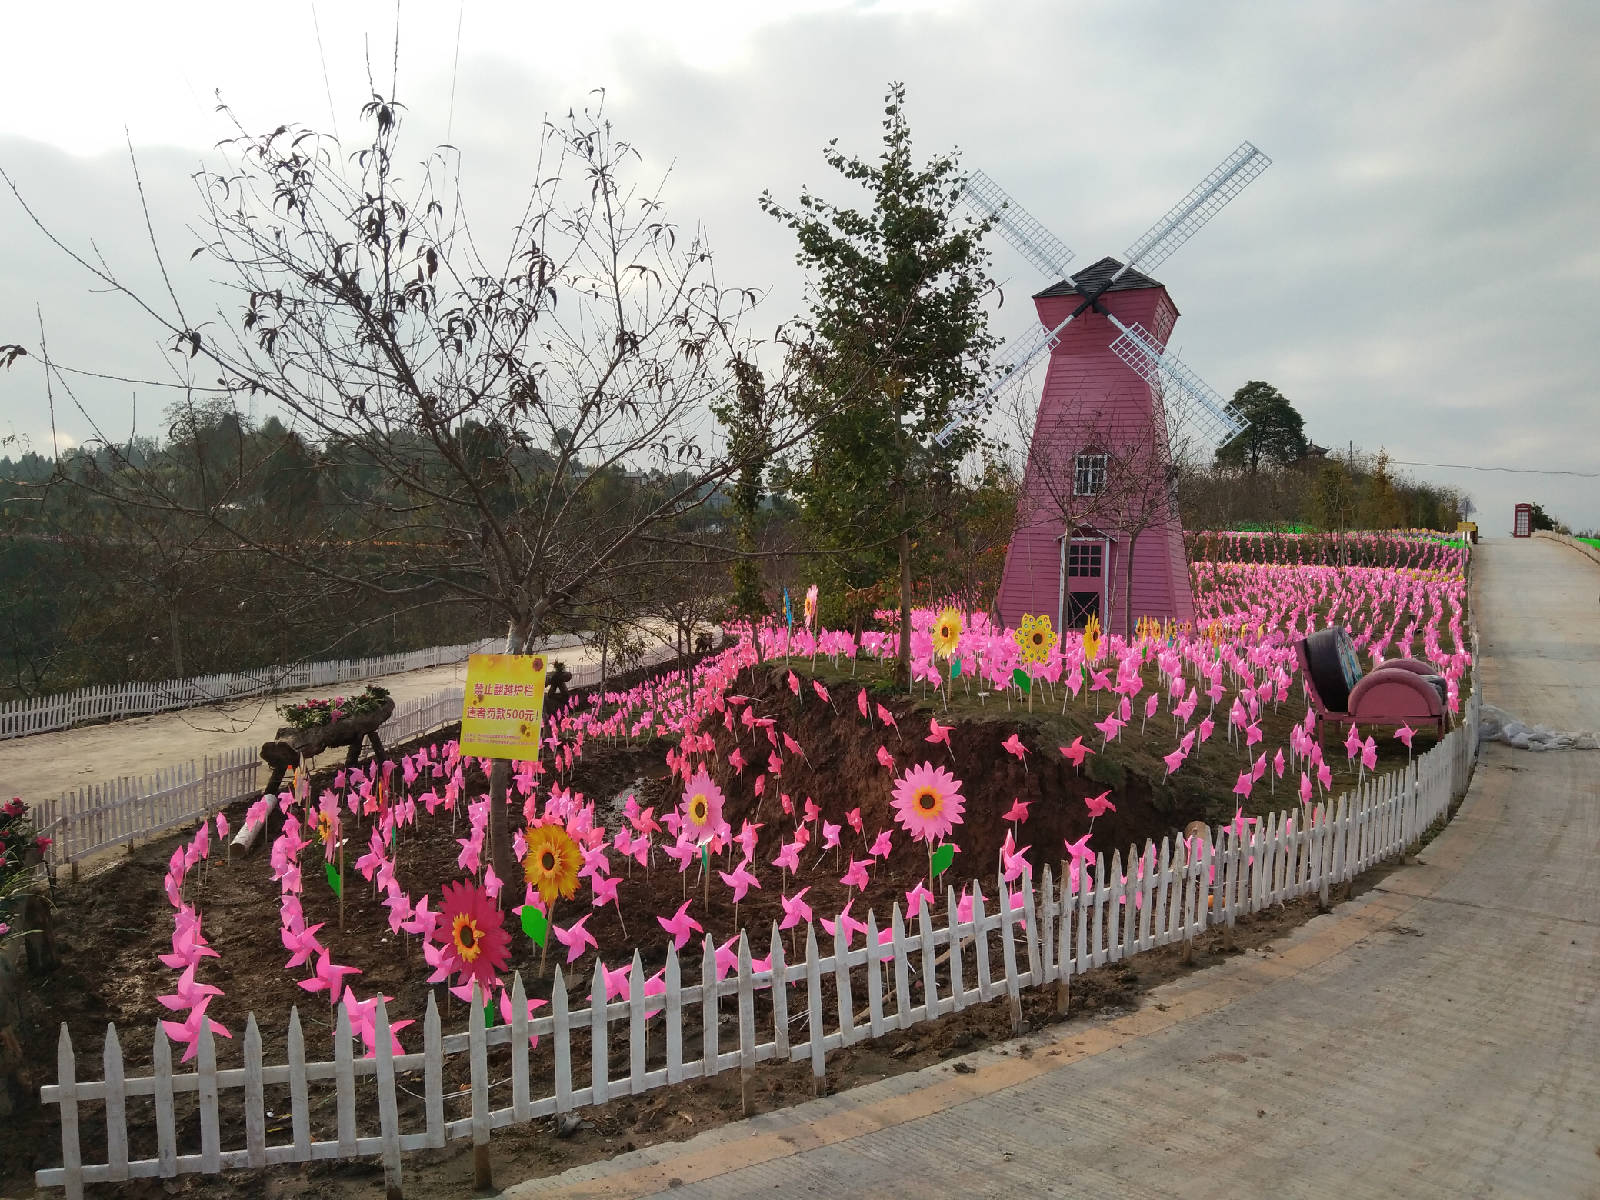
(1403, 691)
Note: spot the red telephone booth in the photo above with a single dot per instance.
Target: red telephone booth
(1522, 523)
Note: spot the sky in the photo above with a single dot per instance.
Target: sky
(1419, 270)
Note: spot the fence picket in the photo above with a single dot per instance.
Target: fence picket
(161, 1092)
(780, 996)
(116, 1108)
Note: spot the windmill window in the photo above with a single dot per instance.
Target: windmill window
(1088, 474)
(1084, 560)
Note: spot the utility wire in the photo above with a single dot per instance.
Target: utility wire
(1401, 462)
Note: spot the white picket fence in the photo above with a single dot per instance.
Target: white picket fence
(91, 820)
(18, 718)
(1034, 938)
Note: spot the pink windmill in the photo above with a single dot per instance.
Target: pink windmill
(1097, 530)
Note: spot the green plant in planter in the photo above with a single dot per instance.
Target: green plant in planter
(310, 714)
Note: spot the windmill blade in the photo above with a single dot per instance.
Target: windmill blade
(1208, 198)
(1200, 410)
(1037, 244)
(1021, 354)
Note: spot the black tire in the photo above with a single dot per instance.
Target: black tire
(1334, 669)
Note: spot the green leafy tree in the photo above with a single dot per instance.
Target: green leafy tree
(896, 310)
(746, 420)
(1276, 432)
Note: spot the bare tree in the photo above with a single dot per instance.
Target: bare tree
(524, 429)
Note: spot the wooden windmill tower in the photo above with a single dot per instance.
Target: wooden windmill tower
(1097, 529)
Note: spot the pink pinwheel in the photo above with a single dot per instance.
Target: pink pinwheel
(788, 857)
(422, 919)
(605, 890)
(746, 838)
(1014, 863)
(918, 896)
(222, 827)
(830, 834)
(811, 812)
(301, 946)
(188, 993)
(1245, 783)
(364, 1021)
(1404, 734)
(736, 760)
(1017, 812)
(1079, 851)
(727, 957)
(1013, 746)
(887, 718)
(328, 976)
(1352, 743)
(1109, 727)
(861, 705)
(506, 1011)
(854, 818)
(856, 876)
(1278, 763)
(885, 759)
(821, 691)
(938, 733)
(681, 925)
(616, 981)
(187, 1031)
(1099, 805)
(1077, 752)
(795, 909)
(740, 880)
(639, 850)
(881, 845)
(188, 944)
(1305, 788)
(794, 683)
(575, 937)
(1175, 759)
(594, 861)
(1207, 727)
(1369, 755)
(846, 924)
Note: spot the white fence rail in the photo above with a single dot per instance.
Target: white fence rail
(1033, 938)
(18, 718)
(91, 820)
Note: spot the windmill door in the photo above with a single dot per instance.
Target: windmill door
(1084, 595)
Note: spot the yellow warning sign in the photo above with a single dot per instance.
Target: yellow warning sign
(503, 706)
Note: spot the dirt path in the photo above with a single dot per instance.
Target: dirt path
(47, 764)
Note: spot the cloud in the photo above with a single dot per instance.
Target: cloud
(1417, 270)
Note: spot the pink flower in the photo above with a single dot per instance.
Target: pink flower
(928, 802)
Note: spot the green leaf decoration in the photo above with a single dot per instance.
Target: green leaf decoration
(335, 880)
(1022, 679)
(955, 668)
(535, 924)
(488, 1015)
(942, 858)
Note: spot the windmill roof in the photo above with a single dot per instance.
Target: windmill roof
(1091, 277)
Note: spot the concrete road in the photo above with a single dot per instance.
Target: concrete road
(1438, 1037)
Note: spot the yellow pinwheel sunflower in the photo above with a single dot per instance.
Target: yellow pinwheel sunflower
(947, 633)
